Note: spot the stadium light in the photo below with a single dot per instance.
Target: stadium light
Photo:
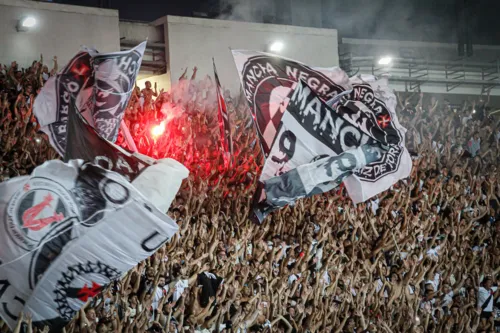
(276, 46)
(26, 23)
(385, 61)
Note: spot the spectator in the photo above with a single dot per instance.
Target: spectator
(474, 145)
(486, 298)
(409, 260)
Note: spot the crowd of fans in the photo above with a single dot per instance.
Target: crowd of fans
(423, 256)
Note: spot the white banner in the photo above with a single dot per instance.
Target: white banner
(52, 104)
(114, 80)
(68, 230)
(311, 135)
(367, 103)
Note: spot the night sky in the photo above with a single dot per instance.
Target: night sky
(418, 20)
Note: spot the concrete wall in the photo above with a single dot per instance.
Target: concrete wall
(60, 31)
(193, 42)
(137, 31)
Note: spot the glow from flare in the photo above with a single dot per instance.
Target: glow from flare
(158, 130)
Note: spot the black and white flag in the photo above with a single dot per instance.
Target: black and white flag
(364, 101)
(317, 148)
(101, 85)
(52, 104)
(371, 107)
(69, 229)
(84, 143)
(268, 79)
(114, 80)
(309, 132)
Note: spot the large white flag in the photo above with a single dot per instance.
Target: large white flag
(70, 229)
(364, 101)
(314, 151)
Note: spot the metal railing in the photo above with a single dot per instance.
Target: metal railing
(415, 72)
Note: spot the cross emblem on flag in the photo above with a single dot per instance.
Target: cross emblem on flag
(384, 121)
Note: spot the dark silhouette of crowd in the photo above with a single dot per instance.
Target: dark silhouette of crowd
(423, 256)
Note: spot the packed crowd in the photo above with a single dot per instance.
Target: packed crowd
(21, 147)
(423, 256)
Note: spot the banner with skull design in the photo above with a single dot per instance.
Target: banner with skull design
(100, 85)
(114, 80)
(68, 230)
(371, 107)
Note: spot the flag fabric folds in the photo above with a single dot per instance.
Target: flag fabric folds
(360, 110)
(114, 80)
(68, 230)
(84, 143)
(224, 122)
(306, 179)
(315, 150)
(101, 85)
(371, 106)
(51, 106)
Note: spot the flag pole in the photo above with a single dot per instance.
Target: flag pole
(128, 137)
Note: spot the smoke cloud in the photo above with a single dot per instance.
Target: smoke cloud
(425, 20)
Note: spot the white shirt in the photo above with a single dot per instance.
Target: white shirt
(448, 298)
(466, 119)
(326, 278)
(374, 205)
(380, 284)
(435, 282)
(434, 253)
(483, 295)
(438, 148)
(179, 289)
(429, 304)
(158, 296)
(293, 278)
